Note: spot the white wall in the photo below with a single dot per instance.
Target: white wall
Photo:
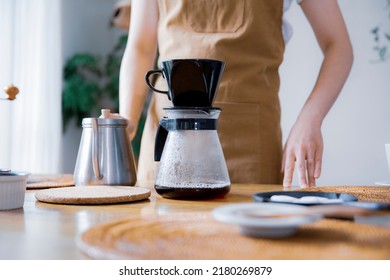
(358, 125)
(85, 28)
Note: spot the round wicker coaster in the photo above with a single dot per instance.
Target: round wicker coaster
(199, 236)
(92, 195)
(45, 181)
(363, 193)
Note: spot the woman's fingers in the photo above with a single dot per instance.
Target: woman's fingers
(301, 168)
(307, 163)
(288, 169)
(310, 165)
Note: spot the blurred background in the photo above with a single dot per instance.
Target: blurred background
(64, 56)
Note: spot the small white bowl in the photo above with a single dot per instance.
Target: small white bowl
(248, 217)
(12, 190)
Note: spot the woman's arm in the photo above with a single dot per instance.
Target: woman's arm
(138, 58)
(304, 145)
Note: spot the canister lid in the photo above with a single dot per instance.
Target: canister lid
(106, 118)
(8, 175)
(105, 122)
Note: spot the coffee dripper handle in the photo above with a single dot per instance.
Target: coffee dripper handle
(161, 137)
(147, 79)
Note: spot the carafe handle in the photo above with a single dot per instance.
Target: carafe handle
(95, 150)
(147, 79)
(161, 137)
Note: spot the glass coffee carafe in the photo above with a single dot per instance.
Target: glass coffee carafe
(192, 163)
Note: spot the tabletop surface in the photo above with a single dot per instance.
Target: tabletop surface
(47, 231)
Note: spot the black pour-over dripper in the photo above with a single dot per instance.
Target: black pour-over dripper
(191, 82)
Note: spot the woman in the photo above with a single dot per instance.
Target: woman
(248, 36)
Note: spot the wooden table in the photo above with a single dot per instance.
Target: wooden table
(48, 231)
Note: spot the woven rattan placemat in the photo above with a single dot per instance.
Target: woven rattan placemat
(199, 236)
(45, 181)
(363, 193)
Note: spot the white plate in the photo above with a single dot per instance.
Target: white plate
(383, 183)
(305, 198)
(248, 217)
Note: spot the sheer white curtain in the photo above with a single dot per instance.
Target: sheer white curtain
(30, 58)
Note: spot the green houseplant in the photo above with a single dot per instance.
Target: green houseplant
(91, 83)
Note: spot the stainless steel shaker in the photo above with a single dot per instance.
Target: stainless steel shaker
(105, 155)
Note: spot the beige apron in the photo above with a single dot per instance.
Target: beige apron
(247, 35)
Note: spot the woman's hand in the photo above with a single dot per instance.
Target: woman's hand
(304, 145)
(303, 150)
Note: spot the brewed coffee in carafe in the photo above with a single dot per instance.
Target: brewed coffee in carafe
(192, 163)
